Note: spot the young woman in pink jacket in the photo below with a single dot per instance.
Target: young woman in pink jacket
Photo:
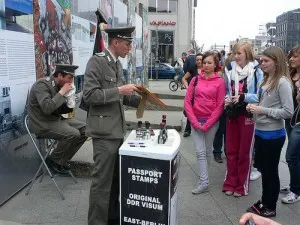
(204, 104)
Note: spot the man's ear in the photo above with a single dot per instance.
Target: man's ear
(115, 42)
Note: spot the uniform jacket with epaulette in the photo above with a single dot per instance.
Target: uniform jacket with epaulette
(105, 116)
(45, 105)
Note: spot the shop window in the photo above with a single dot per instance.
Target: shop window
(162, 6)
(165, 43)
(152, 6)
(6, 111)
(173, 6)
(5, 91)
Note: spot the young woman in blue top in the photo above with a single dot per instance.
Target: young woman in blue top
(275, 105)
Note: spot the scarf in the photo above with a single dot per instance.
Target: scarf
(239, 74)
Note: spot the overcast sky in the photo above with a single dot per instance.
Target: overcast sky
(220, 21)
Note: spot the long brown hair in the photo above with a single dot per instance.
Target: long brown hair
(295, 50)
(281, 69)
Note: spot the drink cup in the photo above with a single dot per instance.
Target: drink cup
(70, 98)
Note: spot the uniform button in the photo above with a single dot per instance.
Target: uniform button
(110, 79)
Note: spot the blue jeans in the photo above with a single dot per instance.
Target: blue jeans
(293, 159)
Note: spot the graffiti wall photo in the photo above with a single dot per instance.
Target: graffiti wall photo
(52, 36)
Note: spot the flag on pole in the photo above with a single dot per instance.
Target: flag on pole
(99, 42)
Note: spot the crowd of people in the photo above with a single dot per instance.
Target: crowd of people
(251, 102)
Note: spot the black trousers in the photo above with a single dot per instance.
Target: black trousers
(220, 136)
(187, 126)
(267, 156)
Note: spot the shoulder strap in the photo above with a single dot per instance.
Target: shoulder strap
(194, 86)
(255, 78)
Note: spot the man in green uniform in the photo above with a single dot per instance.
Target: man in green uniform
(105, 93)
(46, 103)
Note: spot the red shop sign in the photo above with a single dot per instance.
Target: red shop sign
(162, 22)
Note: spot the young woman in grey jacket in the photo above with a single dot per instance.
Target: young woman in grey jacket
(275, 105)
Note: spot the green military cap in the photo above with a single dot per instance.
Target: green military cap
(65, 68)
(120, 32)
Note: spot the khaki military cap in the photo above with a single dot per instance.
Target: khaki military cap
(65, 68)
(121, 32)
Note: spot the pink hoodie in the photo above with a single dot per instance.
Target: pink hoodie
(208, 101)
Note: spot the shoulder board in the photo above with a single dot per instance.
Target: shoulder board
(100, 54)
(47, 78)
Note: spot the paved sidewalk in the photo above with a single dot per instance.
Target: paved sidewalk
(43, 206)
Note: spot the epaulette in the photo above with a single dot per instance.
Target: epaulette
(100, 54)
(47, 78)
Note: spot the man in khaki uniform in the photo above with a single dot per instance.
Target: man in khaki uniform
(105, 93)
(46, 103)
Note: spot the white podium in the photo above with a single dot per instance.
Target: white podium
(148, 180)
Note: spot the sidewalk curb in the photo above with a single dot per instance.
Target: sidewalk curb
(168, 96)
(159, 108)
(132, 125)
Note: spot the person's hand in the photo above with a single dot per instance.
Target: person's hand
(227, 101)
(254, 109)
(66, 88)
(248, 107)
(200, 126)
(235, 99)
(127, 89)
(258, 220)
(184, 83)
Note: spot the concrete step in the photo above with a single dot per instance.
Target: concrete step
(162, 87)
(169, 96)
(4, 222)
(173, 105)
(154, 117)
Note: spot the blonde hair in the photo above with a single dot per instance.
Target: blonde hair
(281, 68)
(247, 49)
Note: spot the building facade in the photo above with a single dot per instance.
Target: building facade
(288, 30)
(255, 44)
(172, 28)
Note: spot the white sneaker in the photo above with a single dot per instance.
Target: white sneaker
(290, 198)
(255, 174)
(200, 189)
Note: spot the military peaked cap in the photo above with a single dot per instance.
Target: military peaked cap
(120, 32)
(65, 68)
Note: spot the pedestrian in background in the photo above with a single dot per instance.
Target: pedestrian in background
(190, 61)
(203, 104)
(220, 137)
(194, 71)
(293, 131)
(1, 121)
(275, 105)
(243, 78)
(294, 66)
(223, 58)
(178, 65)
